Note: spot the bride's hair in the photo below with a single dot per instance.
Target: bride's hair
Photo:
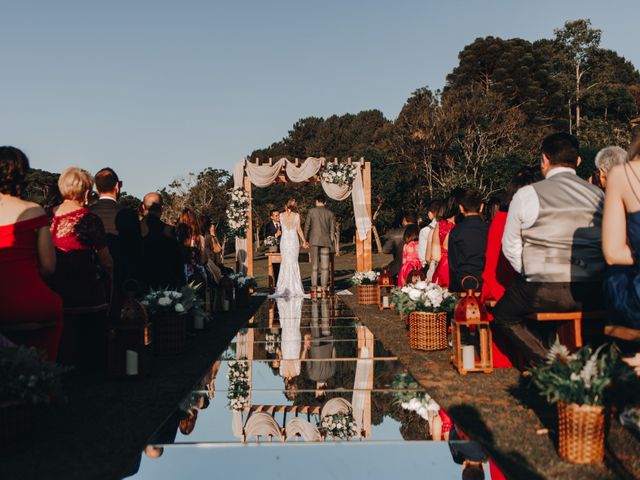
(292, 205)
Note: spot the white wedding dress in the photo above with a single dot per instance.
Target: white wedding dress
(289, 279)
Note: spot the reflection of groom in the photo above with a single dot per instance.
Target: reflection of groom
(319, 230)
(273, 229)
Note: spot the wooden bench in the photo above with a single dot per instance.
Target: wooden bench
(627, 334)
(570, 328)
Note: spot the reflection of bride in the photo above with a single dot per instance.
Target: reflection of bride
(289, 279)
(290, 312)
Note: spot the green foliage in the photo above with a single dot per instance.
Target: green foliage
(582, 377)
(42, 188)
(27, 377)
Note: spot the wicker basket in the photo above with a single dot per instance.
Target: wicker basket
(169, 334)
(368, 295)
(581, 433)
(428, 331)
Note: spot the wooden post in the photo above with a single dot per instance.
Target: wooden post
(247, 188)
(364, 260)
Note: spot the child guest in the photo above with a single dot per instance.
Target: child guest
(410, 257)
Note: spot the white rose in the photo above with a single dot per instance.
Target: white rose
(405, 405)
(414, 404)
(179, 308)
(421, 285)
(164, 301)
(423, 412)
(415, 295)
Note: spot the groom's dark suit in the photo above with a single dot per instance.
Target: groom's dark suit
(319, 230)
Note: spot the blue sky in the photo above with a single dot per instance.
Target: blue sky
(157, 88)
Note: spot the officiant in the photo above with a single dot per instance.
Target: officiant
(273, 229)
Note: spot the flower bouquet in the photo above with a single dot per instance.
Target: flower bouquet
(272, 343)
(338, 173)
(367, 283)
(339, 425)
(410, 398)
(427, 305)
(237, 213)
(272, 242)
(238, 378)
(578, 382)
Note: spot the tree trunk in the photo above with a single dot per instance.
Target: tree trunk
(578, 75)
(570, 117)
(376, 237)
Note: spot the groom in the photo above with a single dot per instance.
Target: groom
(319, 230)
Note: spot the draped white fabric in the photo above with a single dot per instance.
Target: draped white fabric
(362, 386)
(299, 426)
(265, 175)
(261, 424)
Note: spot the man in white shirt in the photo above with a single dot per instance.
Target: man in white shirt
(552, 237)
(425, 238)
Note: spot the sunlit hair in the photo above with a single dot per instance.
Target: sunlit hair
(74, 184)
(188, 218)
(609, 157)
(292, 205)
(14, 166)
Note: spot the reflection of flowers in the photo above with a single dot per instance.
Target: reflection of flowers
(237, 213)
(238, 377)
(272, 342)
(411, 399)
(240, 280)
(339, 425)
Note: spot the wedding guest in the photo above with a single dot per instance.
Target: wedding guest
(498, 273)
(468, 243)
(162, 258)
(213, 251)
(410, 257)
(107, 207)
(426, 238)
(394, 243)
(191, 243)
(621, 241)
(127, 252)
(79, 236)
(26, 255)
(553, 237)
(606, 159)
(273, 227)
(440, 241)
(152, 204)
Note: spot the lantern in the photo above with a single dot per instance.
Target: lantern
(130, 351)
(416, 276)
(470, 334)
(385, 285)
(225, 293)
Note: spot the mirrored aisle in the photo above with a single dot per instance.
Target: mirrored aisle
(304, 390)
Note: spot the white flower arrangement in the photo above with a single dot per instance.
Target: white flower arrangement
(338, 173)
(365, 278)
(237, 213)
(272, 342)
(339, 425)
(240, 280)
(271, 241)
(238, 377)
(423, 297)
(185, 301)
(422, 404)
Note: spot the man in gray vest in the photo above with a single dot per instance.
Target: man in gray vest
(319, 230)
(552, 237)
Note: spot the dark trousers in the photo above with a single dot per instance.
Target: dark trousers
(532, 338)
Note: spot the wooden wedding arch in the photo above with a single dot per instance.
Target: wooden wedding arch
(364, 261)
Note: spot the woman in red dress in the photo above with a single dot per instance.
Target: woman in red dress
(498, 274)
(84, 262)
(410, 257)
(440, 242)
(26, 255)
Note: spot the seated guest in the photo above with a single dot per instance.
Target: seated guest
(162, 259)
(153, 203)
(468, 243)
(426, 238)
(498, 273)
(621, 241)
(410, 258)
(606, 159)
(191, 246)
(394, 241)
(552, 237)
(440, 242)
(107, 207)
(26, 255)
(79, 238)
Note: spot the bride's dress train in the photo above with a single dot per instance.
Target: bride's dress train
(289, 279)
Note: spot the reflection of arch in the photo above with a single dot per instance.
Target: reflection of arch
(261, 424)
(247, 173)
(336, 405)
(308, 432)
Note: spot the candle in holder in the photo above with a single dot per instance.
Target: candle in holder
(468, 357)
(385, 302)
(131, 366)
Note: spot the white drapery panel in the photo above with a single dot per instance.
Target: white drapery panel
(264, 175)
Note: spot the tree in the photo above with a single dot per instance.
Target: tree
(578, 42)
(42, 188)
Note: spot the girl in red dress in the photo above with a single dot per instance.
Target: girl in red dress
(26, 255)
(440, 242)
(410, 257)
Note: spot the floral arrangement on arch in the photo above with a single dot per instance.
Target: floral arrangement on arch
(238, 213)
(365, 278)
(423, 297)
(238, 377)
(338, 173)
(240, 280)
(339, 425)
(271, 241)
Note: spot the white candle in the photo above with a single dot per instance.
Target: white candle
(468, 357)
(385, 302)
(198, 323)
(226, 305)
(131, 367)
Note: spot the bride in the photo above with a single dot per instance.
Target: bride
(289, 279)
